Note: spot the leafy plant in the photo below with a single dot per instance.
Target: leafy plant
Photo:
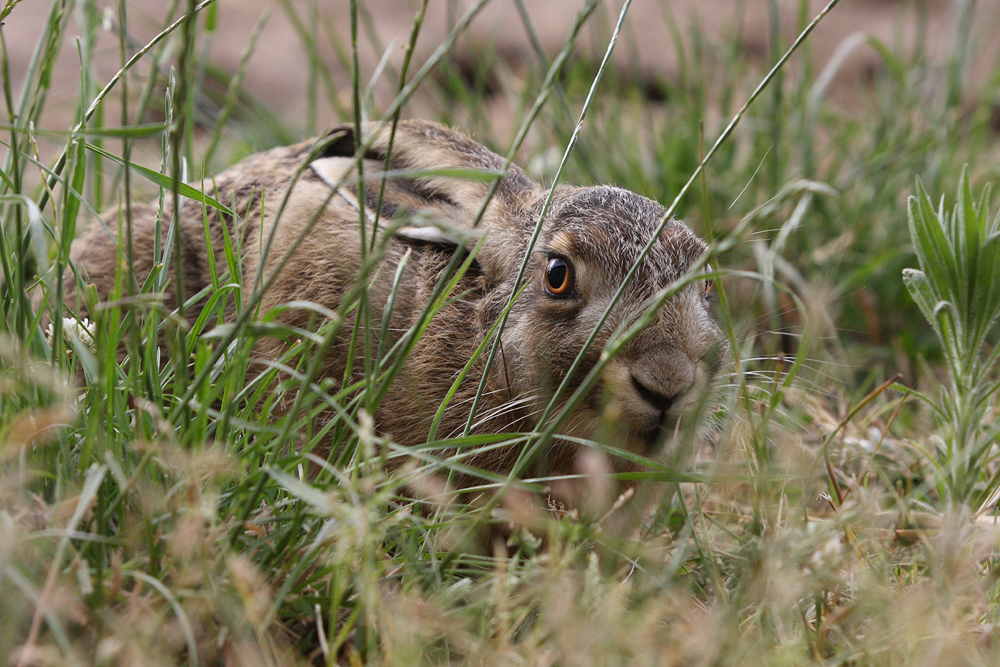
(958, 291)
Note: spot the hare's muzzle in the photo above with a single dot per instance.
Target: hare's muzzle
(650, 394)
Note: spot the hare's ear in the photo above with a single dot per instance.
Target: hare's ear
(450, 175)
(443, 166)
(339, 142)
(431, 222)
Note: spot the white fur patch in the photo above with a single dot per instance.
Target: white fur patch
(428, 234)
(331, 169)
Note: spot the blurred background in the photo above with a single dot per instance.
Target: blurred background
(507, 38)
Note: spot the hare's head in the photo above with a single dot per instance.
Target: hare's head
(590, 239)
(658, 382)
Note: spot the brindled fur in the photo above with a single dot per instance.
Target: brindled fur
(647, 396)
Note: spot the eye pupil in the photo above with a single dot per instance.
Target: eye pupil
(557, 277)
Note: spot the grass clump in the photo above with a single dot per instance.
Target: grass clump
(958, 291)
(156, 507)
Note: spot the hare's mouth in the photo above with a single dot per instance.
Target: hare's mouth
(655, 437)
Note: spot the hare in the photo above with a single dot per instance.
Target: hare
(649, 395)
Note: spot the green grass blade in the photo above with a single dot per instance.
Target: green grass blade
(162, 180)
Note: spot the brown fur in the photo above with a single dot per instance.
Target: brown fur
(643, 394)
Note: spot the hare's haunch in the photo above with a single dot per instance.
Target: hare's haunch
(651, 394)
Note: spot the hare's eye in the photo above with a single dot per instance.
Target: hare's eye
(558, 277)
(709, 284)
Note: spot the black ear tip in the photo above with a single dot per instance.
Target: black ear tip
(340, 142)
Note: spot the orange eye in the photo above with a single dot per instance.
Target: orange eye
(558, 277)
(709, 284)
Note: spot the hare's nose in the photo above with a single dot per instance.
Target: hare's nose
(662, 378)
(660, 401)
